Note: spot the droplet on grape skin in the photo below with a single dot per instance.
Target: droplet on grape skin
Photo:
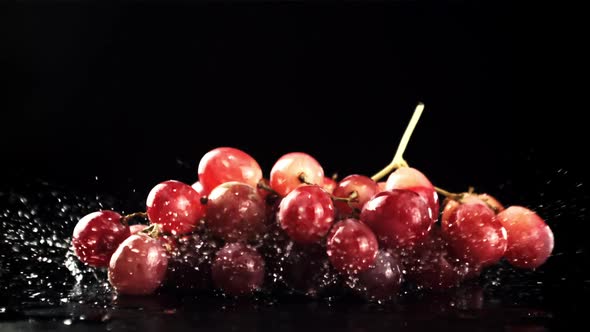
(238, 269)
(287, 170)
(351, 246)
(399, 218)
(476, 235)
(175, 206)
(306, 214)
(363, 186)
(97, 235)
(138, 266)
(412, 179)
(226, 164)
(235, 212)
(530, 239)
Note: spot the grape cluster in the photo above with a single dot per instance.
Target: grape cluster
(237, 232)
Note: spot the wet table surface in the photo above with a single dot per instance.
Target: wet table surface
(44, 288)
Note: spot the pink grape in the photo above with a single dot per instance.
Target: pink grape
(227, 164)
(363, 186)
(352, 246)
(411, 179)
(286, 173)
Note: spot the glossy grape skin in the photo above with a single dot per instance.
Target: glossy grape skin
(198, 187)
(97, 235)
(382, 281)
(475, 235)
(382, 186)
(399, 218)
(451, 204)
(235, 212)
(306, 214)
(530, 240)
(284, 175)
(351, 246)
(238, 269)
(176, 207)
(430, 265)
(362, 185)
(227, 164)
(138, 266)
(411, 179)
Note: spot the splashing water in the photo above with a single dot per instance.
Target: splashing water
(38, 269)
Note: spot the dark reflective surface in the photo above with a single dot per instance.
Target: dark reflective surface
(44, 287)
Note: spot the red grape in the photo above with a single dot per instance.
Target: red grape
(382, 185)
(382, 281)
(530, 240)
(226, 164)
(235, 212)
(238, 269)
(411, 179)
(364, 187)
(97, 235)
(287, 172)
(306, 214)
(176, 207)
(451, 204)
(475, 235)
(399, 218)
(138, 266)
(431, 266)
(352, 246)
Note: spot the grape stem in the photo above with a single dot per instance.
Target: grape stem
(125, 219)
(303, 179)
(263, 186)
(152, 231)
(353, 197)
(449, 194)
(398, 159)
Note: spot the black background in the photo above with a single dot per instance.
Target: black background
(113, 99)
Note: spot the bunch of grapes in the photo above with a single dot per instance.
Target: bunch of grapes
(235, 231)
